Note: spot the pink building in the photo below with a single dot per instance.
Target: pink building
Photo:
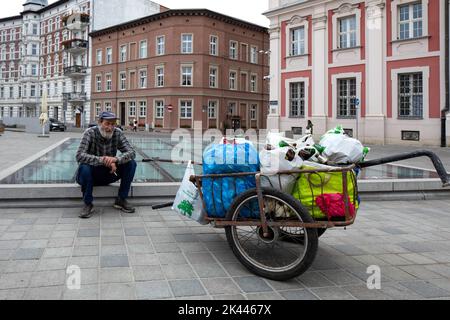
(378, 67)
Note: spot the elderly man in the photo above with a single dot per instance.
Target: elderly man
(99, 165)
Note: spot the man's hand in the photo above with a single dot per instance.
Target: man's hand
(113, 168)
(109, 161)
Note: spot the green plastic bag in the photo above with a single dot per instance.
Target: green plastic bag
(309, 186)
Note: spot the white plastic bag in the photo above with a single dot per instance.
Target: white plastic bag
(341, 149)
(187, 201)
(274, 161)
(274, 139)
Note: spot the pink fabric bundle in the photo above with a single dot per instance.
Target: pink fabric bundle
(333, 205)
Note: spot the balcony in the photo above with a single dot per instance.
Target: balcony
(75, 97)
(76, 21)
(75, 71)
(75, 46)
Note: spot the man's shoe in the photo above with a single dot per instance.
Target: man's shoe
(87, 211)
(123, 205)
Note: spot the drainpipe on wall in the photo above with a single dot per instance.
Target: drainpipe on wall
(447, 71)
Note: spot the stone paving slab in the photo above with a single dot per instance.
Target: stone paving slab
(160, 255)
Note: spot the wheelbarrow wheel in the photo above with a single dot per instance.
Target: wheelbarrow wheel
(268, 255)
(294, 236)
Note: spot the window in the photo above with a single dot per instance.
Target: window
(99, 57)
(143, 49)
(410, 95)
(160, 45)
(34, 29)
(298, 41)
(98, 108)
(11, 92)
(49, 45)
(213, 77)
(2, 92)
(233, 50)
(159, 109)
(108, 82)
(160, 76)
(212, 109)
(143, 79)
(254, 55)
(33, 90)
(213, 43)
(253, 83)
(346, 98)
(108, 55)
(34, 70)
(132, 108)
(108, 106)
(98, 80)
(232, 110)
(123, 53)
(50, 25)
(186, 109)
(186, 76)
(347, 32)
(123, 81)
(20, 91)
(233, 80)
(297, 100)
(34, 49)
(410, 21)
(253, 112)
(142, 109)
(186, 43)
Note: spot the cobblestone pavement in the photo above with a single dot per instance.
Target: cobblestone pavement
(161, 255)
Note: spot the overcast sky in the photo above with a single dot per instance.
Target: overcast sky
(248, 10)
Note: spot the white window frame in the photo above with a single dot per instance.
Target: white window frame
(426, 90)
(158, 109)
(347, 34)
(235, 80)
(186, 113)
(288, 96)
(141, 51)
(216, 77)
(295, 23)
(122, 53)
(143, 85)
(213, 114)
(234, 52)
(108, 82)
(334, 90)
(213, 46)
(182, 74)
(132, 109)
(395, 17)
(98, 108)
(254, 54)
(338, 88)
(142, 107)
(253, 84)
(185, 44)
(108, 106)
(98, 84)
(160, 47)
(122, 82)
(340, 13)
(255, 110)
(159, 76)
(98, 57)
(109, 53)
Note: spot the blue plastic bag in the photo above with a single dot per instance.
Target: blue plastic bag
(219, 193)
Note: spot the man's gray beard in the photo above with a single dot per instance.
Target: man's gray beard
(106, 135)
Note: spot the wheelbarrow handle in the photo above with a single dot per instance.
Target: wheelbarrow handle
(160, 206)
(440, 169)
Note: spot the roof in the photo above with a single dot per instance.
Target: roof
(10, 18)
(180, 12)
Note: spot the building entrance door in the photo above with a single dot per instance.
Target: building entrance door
(78, 120)
(122, 113)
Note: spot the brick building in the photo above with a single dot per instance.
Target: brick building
(170, 69)
(379, 67)
(46, 49)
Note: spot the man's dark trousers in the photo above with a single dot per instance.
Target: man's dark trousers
(90, 176)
